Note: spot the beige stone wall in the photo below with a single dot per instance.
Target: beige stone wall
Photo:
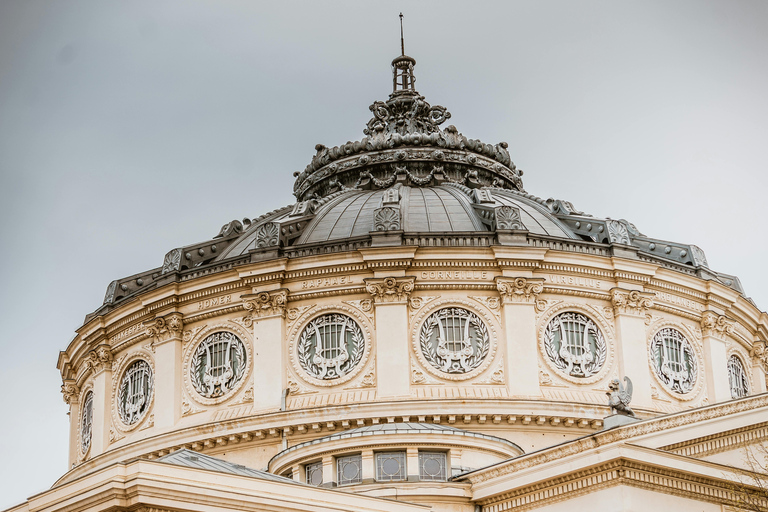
(515, 392)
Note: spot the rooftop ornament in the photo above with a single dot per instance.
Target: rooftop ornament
(405, 144)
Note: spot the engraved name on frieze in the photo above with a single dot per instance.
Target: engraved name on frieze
(126, 333)
(678, 301)
(213, 302)
(584, 282)
(478, 275)
(326, 281)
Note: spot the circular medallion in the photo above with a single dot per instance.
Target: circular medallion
(330, 346)
(674, 360)
(86, 422)
(218, 364)
(135, 392)
(454, 340)
(575, 345)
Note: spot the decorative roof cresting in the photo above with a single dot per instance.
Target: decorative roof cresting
(405, 144)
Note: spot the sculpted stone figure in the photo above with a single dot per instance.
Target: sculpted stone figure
(620, 396)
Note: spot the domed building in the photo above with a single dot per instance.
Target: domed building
(416, 332)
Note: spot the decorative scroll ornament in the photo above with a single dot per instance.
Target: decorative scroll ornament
(99, 359)
(172, 261)
(386, 219)
(70, 392)
(264, 304)
(759, 355)
(135, 392)
(520, 289)
(674, 360)
(268, 235)
(575, 345)
(617, 232)
(390, 289)
(454, 340)
(631, 301)
(165, 328)
(713, 324)
(508, 217)
(330, 346)
(218, 364)
(86, 423)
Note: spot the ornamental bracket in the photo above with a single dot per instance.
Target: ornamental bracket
(631, 302)
(264, 304)
(390, 290)
(519, 290)
(717, 326)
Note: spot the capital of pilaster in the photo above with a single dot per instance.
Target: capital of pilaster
(165, 328)
(519, 290)
(265, 304)
(631, 302)
(390, 290)
(70, 392)
(717, 326)
(99, 359)
(759, 355)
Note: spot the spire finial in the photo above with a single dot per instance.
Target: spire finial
(402, 40)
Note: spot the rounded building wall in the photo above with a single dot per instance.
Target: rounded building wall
(250, 361)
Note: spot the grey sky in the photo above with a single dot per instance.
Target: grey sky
(131, 128)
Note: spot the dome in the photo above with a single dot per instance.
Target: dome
(415, 315)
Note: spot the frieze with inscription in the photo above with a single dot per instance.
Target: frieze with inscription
(456, 274)
(326, 281)
(213, 302)
(584, 282)
(678, 301)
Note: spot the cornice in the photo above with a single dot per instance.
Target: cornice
(720, 442)
(620, 471)
(645, 427)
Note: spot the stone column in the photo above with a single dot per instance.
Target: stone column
(412, 464)
(166, 333)
(390, 300)
(72, 398)
(100, 362)
(714, 331)
(329, 476)
(267, 319)
(759, 367)
(518, 296)
(368, 470)
(630, 308)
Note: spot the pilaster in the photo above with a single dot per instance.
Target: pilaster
(329, 475)
(630, 308)
(368, 469)
(166, 335)
(759, 355)
(267, 319)
(390, 300)
(714, 331)
(71, 395)
(519, 296)
(412, 463)
(100, 363)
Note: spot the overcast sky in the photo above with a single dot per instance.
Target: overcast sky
(131, 128)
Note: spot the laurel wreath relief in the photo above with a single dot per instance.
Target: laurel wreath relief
(307, 343)
(599, 355)
(199, 363)
(480, 350)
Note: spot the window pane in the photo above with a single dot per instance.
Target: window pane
(349, 470)
(432, 466)
(390, 466)
(314, 473)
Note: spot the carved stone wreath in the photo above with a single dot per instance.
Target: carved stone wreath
(575, 345)
(131, 410)
(461, 356)
(209, 380)
(119, 369)
(346, 361)
(85, 427)
(194, 372)
(677, 378)
(564, 363)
